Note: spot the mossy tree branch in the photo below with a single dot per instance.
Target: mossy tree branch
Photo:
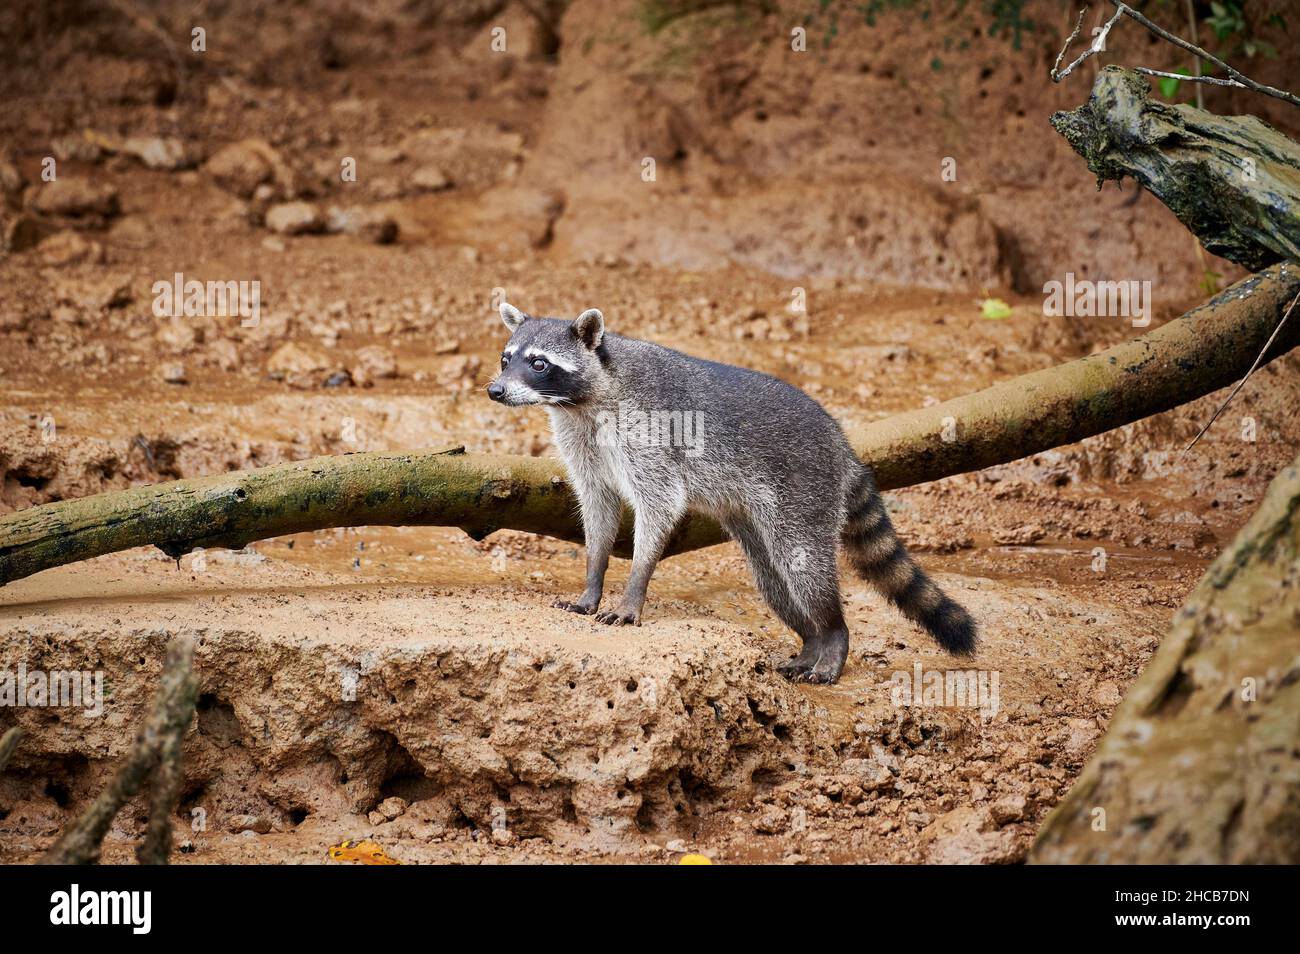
(1206, 349)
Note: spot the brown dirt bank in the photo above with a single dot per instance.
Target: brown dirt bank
(522, 173)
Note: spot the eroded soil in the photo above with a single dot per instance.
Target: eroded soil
(1073, 561)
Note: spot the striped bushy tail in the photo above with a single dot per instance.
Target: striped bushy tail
(880, 558)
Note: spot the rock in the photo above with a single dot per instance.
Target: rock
(178, 336)
(98, 293)
(77, 148)
(69, 248)
(1081, 734)
(1020, 536)
(240, 168)
(966, 836)
(222, 354)
(430, 178)
(294, 218)
(159, 152)
(459, 372)
(174, 373)
(369, 224)
(503, 837)
(238, 824)
(385, 155)
(376, 818)
(392, 807)
(244, 167)
(771, 821)
(293, 358)
(1107, 694)
(76, 199)
(373, 362)
(1008, 809)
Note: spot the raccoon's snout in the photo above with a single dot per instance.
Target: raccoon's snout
(496, 391)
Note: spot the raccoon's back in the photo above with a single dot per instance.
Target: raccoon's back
(750, 418)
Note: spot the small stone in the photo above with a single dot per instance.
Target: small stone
(241, 167)
(376, 818)
(158, 152)
(76, 198)
(392, 807)
(368, 224)
(430, 178)
(385, 155)
(1008, 809)
(239, 824)
(294, 218)
(771, 822)
(174, 374)
(503, 837)
(69, 248)
(373, 362)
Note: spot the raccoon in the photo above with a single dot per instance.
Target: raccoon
(666, 433)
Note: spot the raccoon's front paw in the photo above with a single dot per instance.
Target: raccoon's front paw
(619, 617)
(575, 606)
(798, 671)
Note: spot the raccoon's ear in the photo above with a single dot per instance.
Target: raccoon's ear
(590, 328)
(512, 316)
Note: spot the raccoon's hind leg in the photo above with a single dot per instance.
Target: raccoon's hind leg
(796, 573)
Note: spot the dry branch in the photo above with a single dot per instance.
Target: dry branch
(157, 744)
(1235, 77)
(1200, 763)
(1234, 181)
(1206, 349)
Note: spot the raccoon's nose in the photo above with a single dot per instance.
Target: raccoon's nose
(496, 391)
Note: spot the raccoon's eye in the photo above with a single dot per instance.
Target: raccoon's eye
(538, 365)
(505, 359)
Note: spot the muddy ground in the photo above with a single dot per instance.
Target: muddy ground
(414, 686)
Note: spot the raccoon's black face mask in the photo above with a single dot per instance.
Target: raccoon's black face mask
(548, 360)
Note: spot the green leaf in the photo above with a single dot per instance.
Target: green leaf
(995, 308)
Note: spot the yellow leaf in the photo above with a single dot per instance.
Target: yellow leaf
(694, 860)
(365, 852)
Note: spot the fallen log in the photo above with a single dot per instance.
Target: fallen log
(1200, 764)
(1204, 350)
(1234, 181)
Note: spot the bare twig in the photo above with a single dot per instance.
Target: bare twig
(1235, 77)
(1098, 44)
(165, 789)
(1196, 38)
(7, 745)
(159, 738)
(1240, 384)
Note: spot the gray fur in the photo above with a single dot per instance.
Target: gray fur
(755, 453)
